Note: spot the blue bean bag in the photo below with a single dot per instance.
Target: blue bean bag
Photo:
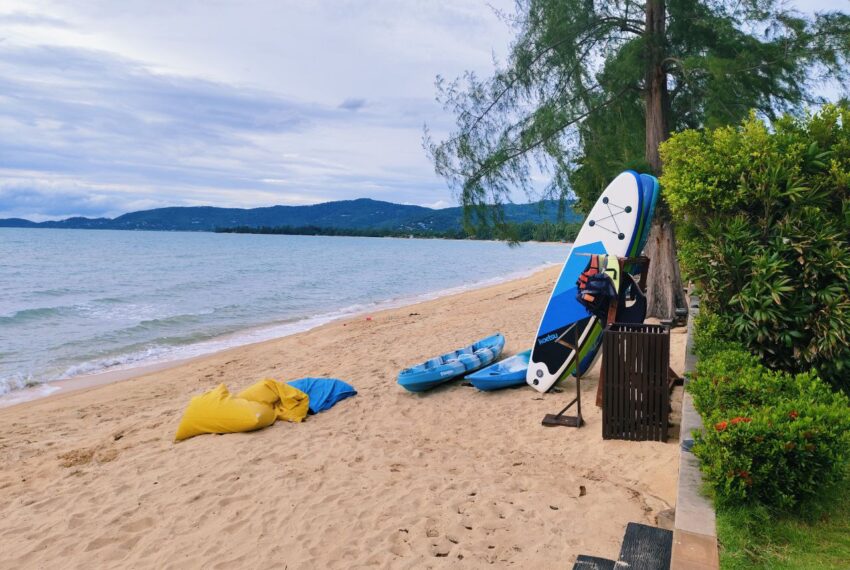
(324, 393)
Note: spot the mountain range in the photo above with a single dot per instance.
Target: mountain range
(363, 213)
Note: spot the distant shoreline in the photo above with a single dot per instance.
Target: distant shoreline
(571, 230)
(334, 232)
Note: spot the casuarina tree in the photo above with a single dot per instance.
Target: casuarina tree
(590, 88)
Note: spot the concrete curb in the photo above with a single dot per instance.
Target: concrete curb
(694, 528)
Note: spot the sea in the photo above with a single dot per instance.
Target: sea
(80, 302)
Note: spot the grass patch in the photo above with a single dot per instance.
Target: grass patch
(816, 535)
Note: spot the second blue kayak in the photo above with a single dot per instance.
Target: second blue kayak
(503, 374)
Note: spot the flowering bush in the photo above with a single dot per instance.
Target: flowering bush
(776, 455)
(770, 437)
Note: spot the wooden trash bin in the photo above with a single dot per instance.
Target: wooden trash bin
(636, 389)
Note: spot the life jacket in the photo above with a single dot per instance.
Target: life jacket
(601, 283)
(598, 285)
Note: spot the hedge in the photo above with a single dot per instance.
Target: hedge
(763, 213)
(770, 437)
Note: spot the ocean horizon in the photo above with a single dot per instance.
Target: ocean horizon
(80, 302)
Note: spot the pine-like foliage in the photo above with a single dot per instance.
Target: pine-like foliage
(569, 101)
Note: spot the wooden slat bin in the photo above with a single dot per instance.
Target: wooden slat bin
(636, 395)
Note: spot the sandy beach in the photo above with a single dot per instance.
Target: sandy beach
(389, 479)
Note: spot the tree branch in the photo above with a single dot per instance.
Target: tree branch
(623, 24)
(475, 178)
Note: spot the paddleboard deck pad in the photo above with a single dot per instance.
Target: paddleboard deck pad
(568, 336)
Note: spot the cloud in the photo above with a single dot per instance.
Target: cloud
(57, 203)
(107, 108)
(30, 19)
(353, 104)
(74, 121)
(439, 205)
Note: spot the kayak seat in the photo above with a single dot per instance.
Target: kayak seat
(484, 353)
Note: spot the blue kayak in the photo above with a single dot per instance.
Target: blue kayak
(503, 374)
(443, 368)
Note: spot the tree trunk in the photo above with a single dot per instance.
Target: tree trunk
(665, 291)
(657, 104)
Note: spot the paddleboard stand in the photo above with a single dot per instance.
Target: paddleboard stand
(639, 264)
(559, 419)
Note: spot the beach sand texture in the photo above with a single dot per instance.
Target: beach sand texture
(450, 478)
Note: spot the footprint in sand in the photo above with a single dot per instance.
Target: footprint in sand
(76, 457)
(229, 500)
(99, 543)
(138, 525)
(76, 520)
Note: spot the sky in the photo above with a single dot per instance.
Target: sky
(108, 107)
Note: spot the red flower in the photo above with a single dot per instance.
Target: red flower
(720, 426)
(793, 415)
(745, 475)
(739, 419)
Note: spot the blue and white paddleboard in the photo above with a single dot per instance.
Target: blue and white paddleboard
(651, 193)
(567, 334)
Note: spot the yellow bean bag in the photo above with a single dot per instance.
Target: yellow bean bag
(290, 404)
(217, 411)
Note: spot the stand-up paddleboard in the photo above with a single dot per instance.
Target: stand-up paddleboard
(651, 192)
(642, 232)
(567, 334)
(649, 186)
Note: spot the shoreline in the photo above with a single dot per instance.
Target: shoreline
(422, 237)
(250, 336)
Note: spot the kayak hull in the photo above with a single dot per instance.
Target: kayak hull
(503, 374)
(451, 365)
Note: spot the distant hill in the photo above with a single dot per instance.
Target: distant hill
(360, 214)
(17, 223)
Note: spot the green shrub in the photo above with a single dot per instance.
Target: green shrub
(710, 335)
(764, 230)
(775, 455)
(732, 379)
(770, 437)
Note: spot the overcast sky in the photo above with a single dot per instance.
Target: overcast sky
(113, 106)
